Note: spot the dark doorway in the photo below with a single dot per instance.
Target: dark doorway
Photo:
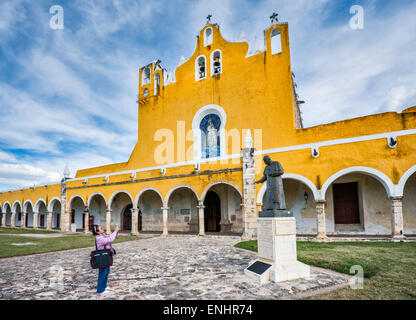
(42, 221)
(27, 220)
(346, 209)
(127, 218)
(58, 221)
(212, 212)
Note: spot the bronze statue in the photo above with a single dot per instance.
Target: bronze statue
(275, 197)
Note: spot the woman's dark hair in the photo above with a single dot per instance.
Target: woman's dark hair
(95, 229)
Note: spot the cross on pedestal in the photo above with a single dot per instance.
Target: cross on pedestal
(273, 17)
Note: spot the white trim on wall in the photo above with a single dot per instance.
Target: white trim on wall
(258, 152)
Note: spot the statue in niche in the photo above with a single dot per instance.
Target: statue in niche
(211, 139)
(275, 196)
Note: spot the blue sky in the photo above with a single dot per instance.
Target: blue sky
(69, 96)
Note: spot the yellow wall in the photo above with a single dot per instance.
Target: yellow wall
(256, 93)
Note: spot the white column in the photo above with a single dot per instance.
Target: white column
(165, 209)
(24, 217)
(86, 219)
(13, 222)
(35, 220)
(225, 222)
(108, 220)
(3, 223)
(320, 219)
(249, 195)
(397, 217)
(201, 217)
(134, 221)
(48, 220)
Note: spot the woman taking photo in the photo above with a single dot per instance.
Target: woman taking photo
(103, 241)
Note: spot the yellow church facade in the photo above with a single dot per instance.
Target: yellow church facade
(202, 133)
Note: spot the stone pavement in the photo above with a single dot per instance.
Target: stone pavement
(172, 267)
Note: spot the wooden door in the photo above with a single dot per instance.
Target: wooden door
(127, 217)
(42, 220)
(346, 208)
(212, 212)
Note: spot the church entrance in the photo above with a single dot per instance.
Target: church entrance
(212, 212)
(346, 209)
(127, 219)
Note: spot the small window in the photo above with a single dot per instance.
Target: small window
(200, 68)
(216, 61)
(276, 42)
(145, 93)
(208, 37)
(146, 76)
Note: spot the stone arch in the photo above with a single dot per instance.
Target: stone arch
(121, 202)
(17, 208)
(136, 200)
(178, 187)
(292, 176)
(14, 207)
(110, 201)
(76, 211)
(74, 197)
(199, 115)
(97, 205)
(7, 208)
(92, 195)
(25, 205)
(222, 202)
(28, 209)
(56, 215)
(378, 175)
(204, 193)
(7, 204)
(403, 180)
(52, 203)
(38, 203)
(149, 201)
(182, 202)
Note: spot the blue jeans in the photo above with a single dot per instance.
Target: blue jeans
(102, 279)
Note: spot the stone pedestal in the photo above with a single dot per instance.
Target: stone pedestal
(277, 257)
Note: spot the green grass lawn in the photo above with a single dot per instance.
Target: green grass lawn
(389, 267)
(21, 230)
(48, 244)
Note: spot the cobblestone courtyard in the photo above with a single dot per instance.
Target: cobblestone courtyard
(173, 267)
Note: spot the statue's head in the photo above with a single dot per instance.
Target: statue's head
(267, 160)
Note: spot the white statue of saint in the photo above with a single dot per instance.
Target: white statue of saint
(212, 140)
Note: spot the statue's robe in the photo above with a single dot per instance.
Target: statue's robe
(275, 197)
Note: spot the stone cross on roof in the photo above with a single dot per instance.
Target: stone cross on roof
(209, 18)
(273, 17)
